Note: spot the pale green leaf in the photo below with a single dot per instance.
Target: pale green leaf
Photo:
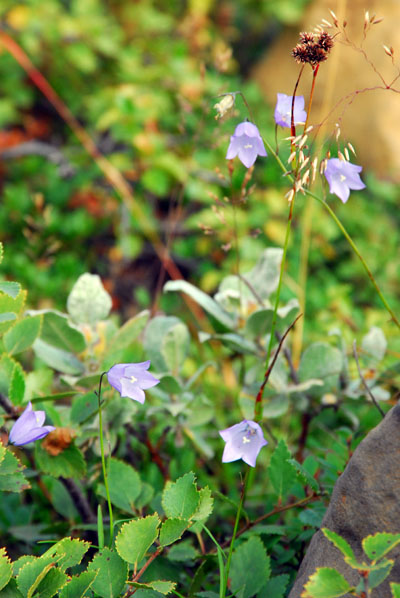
(180, 499)
(21, 336)
(77, 586)
(5, 568)
(378, 545)
(171, 530)
(326, 583)
(136, 537)
(10, 288)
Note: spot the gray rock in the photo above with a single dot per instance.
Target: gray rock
(365, 500)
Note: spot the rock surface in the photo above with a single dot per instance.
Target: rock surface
(365, 500)
(369, 119)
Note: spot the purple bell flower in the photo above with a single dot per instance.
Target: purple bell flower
(29, 427)
(283, 110)
(243, 441)
(130, 379)
(343, 176)
(246, 143)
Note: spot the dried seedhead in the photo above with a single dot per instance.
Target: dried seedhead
(313, 48)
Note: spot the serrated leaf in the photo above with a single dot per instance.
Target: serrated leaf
(341, 544)
(379, 573)
(9, 305)
(180, 499)
(205, 506)
(304, 475)
(129, 332)
(326, 583)
(58, 359)
(58, 332)
(77, 586)
(51, 583)
(11, 478)
(33, 573)
(202, 299)
(68, 552)
(171, 530)
(112, 573)
(136, 537)
(378, 545)
(11, 590)
(164, 587)
(7, 317)
(67, 464)
(10, 288)
(16, 390)
(22, 336)
(395, 587)
(250, 568)
(5, 568)
(124, 483)
(182, 551)
(282, 474)
(275, 587)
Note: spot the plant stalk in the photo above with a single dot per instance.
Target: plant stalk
(103, 460)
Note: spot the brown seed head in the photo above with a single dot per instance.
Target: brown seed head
(313, 48)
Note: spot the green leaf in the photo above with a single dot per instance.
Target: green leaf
(342, 545)
(171, 530)
(7, 317)
(379, 573)
(8, 306)
(395, 587)
(5, 568)
(166, 341)
(264, 277)
(374, 345)
(202, 299)
(112, 573)
(304, 475)
(326, 583)
(11, 289)
(67, 464)
(69, 552)
(58, 332)
(11, 478)
(21, 336)
(32, 577)
(164, 587)
(321, 361)
(180, 499)
(88, 301)
(58, 359)
(16, 391)
(124, 483)
(378, 545)
(83, 407)
(182, 551)
(281, 473)
(275, 587)
(205, 506)
(129, 332)
(11, 590)
(250, 568)
(77, 586)
(136, 537)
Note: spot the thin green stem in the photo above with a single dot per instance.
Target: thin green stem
(235, 528)
(358, 254)
(345, 234)
(258, 403)
(103, 460)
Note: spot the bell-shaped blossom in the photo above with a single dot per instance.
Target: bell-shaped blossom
(246, 143)
(343, 176)
(29, 427)
(283, 110)
(131, 379)
(243, 441)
